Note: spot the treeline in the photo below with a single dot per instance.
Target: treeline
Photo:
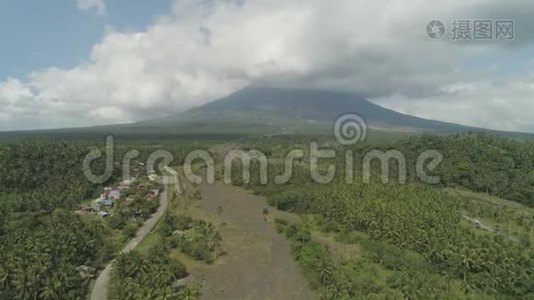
(480, 162)
(41, 176)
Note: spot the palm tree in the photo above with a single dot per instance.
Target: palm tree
(49, 290)
(325, 273)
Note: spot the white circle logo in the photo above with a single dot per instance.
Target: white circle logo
(350, 129)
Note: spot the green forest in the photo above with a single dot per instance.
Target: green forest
(42, 242)
(45, 247)
(412, 241)
(481, 162)
(415, 238)
(148, 276)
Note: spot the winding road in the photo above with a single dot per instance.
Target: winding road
(100, 290)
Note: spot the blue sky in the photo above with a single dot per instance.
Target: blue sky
(37, 34)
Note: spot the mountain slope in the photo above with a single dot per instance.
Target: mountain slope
(274, 107)
(274, 111)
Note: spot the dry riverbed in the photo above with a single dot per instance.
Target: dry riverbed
(256, 263)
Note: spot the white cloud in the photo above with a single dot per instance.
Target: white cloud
(204, 50)
(504, 104)
(13, 90)
(98, 5)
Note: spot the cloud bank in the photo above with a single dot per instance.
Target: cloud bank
(98, 5)
(203, 50)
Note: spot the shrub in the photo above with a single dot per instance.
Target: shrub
(116, 221)
(130, 230)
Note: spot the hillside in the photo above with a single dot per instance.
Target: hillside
(296, 110)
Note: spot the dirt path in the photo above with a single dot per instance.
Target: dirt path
(100, 290)
(258, 263)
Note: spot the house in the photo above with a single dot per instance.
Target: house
(86, 271)
(129, 200)
(114, 194)
(126, 183)
(152, 194)
(86, 209)
(103, 214)
(95, 206)
(104, 201)
(181, 282)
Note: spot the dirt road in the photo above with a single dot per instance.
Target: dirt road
(258, 263)
(100, 290)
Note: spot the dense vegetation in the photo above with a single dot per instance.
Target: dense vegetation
(412, 224)
(481, 162)
(373, 269)
(405, 241)
(41, 176)
(47, 251)
(427, 222)
(149, 276)
(153, 270)
(196, 238)
(130, 214)
(43, 243)
(40, 256)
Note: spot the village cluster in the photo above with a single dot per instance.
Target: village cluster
(125, 192)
